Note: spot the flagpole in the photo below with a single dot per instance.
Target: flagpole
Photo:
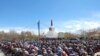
(38, 29)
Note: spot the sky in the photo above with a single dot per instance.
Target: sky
(67, 15)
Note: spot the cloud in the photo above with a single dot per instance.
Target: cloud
(86, 23)
(20, 29)
(68, 26)
(73, 26)
(17, 29)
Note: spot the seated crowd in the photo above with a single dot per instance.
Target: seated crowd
(50, 48)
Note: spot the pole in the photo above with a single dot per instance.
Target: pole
(38, 29)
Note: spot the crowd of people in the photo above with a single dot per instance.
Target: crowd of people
(50, 48)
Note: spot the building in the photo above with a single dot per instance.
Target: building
(51, 33)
